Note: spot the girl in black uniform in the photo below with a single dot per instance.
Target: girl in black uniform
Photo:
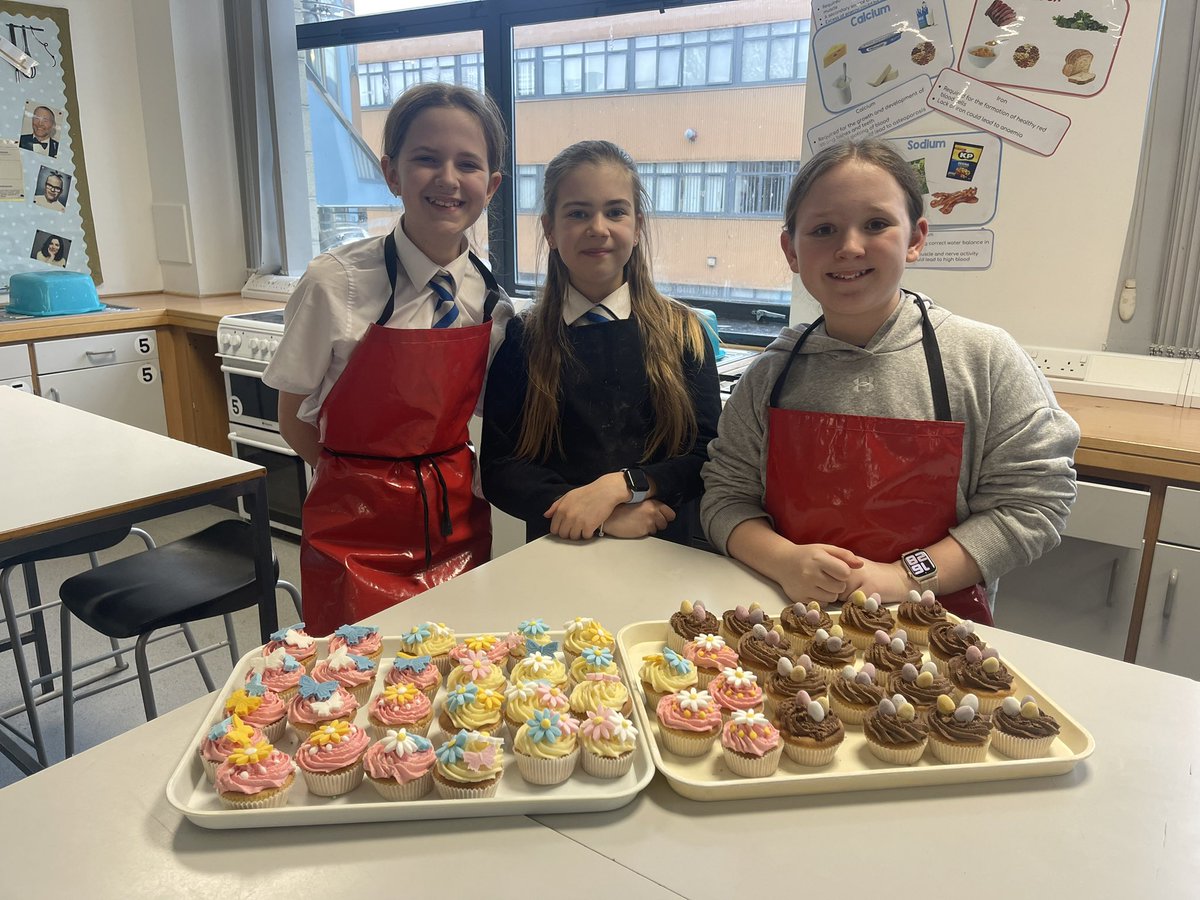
(602, 400)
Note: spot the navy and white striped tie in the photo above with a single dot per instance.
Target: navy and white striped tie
(593, 317)
(445, 310)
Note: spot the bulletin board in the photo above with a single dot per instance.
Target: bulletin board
(45, 210)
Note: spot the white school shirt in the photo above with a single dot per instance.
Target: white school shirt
(576, 305)
(344, 291)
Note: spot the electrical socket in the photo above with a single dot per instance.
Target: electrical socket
(1069, 365)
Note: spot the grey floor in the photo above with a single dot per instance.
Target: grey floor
(118, 710)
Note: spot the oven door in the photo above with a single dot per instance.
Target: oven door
(250, 401)
(288, 476)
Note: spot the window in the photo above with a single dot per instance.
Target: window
(775, 52)
(761, 188)
(529, 188)
(372, 85)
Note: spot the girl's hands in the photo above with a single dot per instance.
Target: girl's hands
(578, 513)
(634, 520)
(887, 580)
(820, 572)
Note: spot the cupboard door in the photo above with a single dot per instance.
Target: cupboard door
(129, 393)
(1172, 618)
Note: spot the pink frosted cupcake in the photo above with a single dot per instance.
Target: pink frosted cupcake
(711, 656)
(331, 758)
(689, 722)
(419, 671)
(736, 690)
(399, 706)
(222, 739)
(359, 640)
(295, 640)
(400, 766)
(259, 708)
(318, 702)
(752, 745)
(607, 740)
(355, 673)
(259, 776)
(493, 645)
(280, 672)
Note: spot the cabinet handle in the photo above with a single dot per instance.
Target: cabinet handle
(1112, 581)
(52, 393)
(1169, 600)
(92, 354)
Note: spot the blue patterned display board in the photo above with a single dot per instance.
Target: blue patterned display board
(45, 211)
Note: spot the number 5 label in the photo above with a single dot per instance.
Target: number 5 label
(147, 374)
(145, 346)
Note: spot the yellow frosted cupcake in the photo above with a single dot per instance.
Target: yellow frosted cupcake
(541, 665)
(546, 747)
(530, 631)
(665, 672)
(592, 661)
(469, 766)
(473, 708)
(477, 667)
(524, 698)
(597, 690)
(607, 740)
(584, 632)
(432, 639)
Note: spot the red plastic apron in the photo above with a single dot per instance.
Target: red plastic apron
(391, 512)
(877, 486)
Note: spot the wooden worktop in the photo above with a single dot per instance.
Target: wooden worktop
(1146, 439)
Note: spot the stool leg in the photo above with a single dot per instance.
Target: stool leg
(41, 646)
(292, 592)
(118, 661)
(14, 635)
(231, 636)
(68, 686)
(200, 664)
(143, 673)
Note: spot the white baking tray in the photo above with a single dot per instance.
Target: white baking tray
(189, 791)
(854, 768)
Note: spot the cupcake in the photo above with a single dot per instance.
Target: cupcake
(592, 661)
(736, 690)
(689, 722)
(890, 653)
(542, 665)
(477, 667)
(399, 706)
(222, 739)
(830, 652)
(597, 690)
(432, 639)
(950, 639)
(584, 632)
(710, 655)
(279, 671)
(355, 673)
(535, 630)
(400, 766)
(788, 679)
(862, 616)
(546, 747)
(918, 613)
(895, 733)
(359, 640)
(800, 623)
(419, 671)
(737, 622)
(469, 766)
(257, 776)
(318, 702)
(606, 743)
(921, 687)
(853, 694)
(752, 745)
(689, 623)
(330, 759)
(811, 733)
(525, 698)
(760, 649)
(472, 708)
(259, 708)
(958, 732)
(665, 673)
(493, 645)
(295, 640)
(1022, 730)
(981, 673)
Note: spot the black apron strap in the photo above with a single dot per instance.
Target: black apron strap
(391, 261)
(787, 367)
(494, 293)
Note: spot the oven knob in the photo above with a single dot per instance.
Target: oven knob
(225, 341)
(253, 345)
(235, 340)
(273, 345)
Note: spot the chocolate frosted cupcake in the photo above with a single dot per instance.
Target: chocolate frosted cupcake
(1022, 730)
(689, 623)
(921, 686)
(761, 649)
(737, 622)
(958, 732)
(800, 623)
(917, 613)
(830, 652)
(950, 639)
(788, 679)
(890, 653)
(854, 693)
(895, 733)
(811, 733)
(981, 673)
(862, 616)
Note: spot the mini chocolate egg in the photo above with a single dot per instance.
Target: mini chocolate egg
(868, 669)
(757, 616)
(814, 606)
(887, 707)
(699, 613)
(686, 608)
(803, 697)
(924, 679)
(906, 711)
(1011, 706)
(805, 662)
(812, 617)
(1028, 698)
(900, 633)
(816, 711)
(834, 643)
(973, 654)
(908, 672)
(799, 609)
(821, 635)
(964, 714)
(784, 666)
(930, 667)
(836, 631)
(1029, 710)
(970, 700)
(881, 637)
(759, 631)
(991, 665)
(773, 638)
(896, 645)
(871, 604)
(898, 700)
(990, 652)
(848, 672)
(945, 704)
(857, 598)
(741, 612)
(914, 597)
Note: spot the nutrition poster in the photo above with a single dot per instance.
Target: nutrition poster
(959, 175)
(1044, 45)
(869, 51)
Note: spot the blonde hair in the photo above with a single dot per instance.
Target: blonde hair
(668, 328)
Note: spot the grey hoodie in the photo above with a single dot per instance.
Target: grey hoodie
(1017, 481)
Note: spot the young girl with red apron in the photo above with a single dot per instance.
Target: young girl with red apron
(876, 486)
(392, 512)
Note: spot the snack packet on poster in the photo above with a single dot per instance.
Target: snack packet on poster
(964, 158)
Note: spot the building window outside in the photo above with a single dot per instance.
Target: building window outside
(529, 188)
(379, 84)
(761, 187)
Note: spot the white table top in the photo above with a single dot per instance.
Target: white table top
(1127, 820)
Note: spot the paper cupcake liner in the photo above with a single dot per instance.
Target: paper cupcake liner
(943, 662)
(917, 634)
(273, 800)
(334, 784)
(860, 639)
(753, 766)
(444, 664)
(810, 756)
(829, 674)
(361, 692)
(704, 676)
(606, 766)
(1015, 747)
(537, 770)
(454, 790)
(421, 727)
(850, 715)
(394, 790)
(988, 703)
(652, 696)
(675, 641)
(304, 729)
(903, 755)
(687, 743)
(959, 753)
(210, 769)
(274, 731)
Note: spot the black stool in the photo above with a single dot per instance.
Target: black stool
(210, 573)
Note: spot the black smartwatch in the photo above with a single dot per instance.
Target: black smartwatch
(638, 484)
(921, 569)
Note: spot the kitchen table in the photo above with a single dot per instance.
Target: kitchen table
(65, 474)
(1124, 822)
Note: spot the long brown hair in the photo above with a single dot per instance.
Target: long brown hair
(430, 95)
(668, 328)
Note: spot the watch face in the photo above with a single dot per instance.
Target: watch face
(637, 481)
(919, 564)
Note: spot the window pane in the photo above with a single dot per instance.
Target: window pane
(783, 57)
(754, 60)
(664, 195)
(551, 76)
(572, 75)
(594, 69)
(668, 67)
(616, 71)
(526, 79)
(645, 67)
(714, 193)
(695, 68)
(720, 63)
